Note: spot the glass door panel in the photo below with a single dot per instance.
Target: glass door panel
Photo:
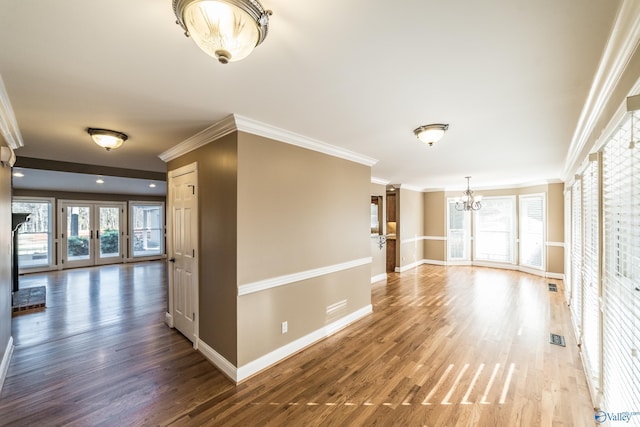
(79, 233)
(109, 231)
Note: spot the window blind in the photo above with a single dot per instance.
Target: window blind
(621, 275)
(532, 231)
(591, 334)
(576, 258)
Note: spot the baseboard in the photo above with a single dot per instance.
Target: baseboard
(293, 347)
(240, 374)
(168, 319)
(218, 361)
(408, 267)
(378, 278)
(434, 262)
(4, 366)
(558, 276)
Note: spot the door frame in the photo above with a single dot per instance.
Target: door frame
(94, 206)
(171, 175)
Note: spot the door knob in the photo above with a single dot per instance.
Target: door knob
(172, 259)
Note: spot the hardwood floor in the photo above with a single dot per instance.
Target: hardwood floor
(454, 346)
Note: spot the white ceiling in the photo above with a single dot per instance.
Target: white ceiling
(510, 77)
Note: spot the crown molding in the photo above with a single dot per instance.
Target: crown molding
(216, 131)
(255, 127)
(379, 181)
(236, 122)
(8, 124)
(621, 45)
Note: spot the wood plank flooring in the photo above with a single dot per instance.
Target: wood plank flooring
(445, 346)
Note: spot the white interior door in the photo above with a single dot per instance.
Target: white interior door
(91, 233)
(184, 241)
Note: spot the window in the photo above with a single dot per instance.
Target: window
(35, 236)
(494, 230)
(621, 268)
(147, 229)
(532, 223)
(458, 233)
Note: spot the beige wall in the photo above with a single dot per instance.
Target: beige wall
(379, 256)
(411, 222)
(217, 202)
(5, 259)
(435, 225)
(298, 210)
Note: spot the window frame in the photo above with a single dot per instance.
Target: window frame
(512, 231)
(466, 258)
(51, 242)
(163, 232)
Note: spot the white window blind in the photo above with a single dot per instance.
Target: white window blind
(591, 273)
(458, 233)
(532, 224)
(576, 257)
(567, 248)
(621, 275)
(494, 230)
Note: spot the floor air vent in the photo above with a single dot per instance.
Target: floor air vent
(557, 340)
(553, 287)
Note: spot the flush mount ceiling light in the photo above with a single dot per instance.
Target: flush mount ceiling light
(467, 202)
(431, 133)
(228, 30)
(107, 139)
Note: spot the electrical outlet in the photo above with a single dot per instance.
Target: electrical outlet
(285, 327)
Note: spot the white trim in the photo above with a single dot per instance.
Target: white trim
(619, 49)
(293, 347)
(412, 188)
(435, 262)
(218, 361)
(418, 238)
(379, 181)
(379, 277)
(434, 238)
(8, 124)
(273, 282)
(240, 374)
(235, 122)
(502, 266)
(4, 366)
(407, 267)
(216, 131)
(168, 319)
(555, 244)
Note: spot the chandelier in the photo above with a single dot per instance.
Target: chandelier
(228, 30)
(467, 201)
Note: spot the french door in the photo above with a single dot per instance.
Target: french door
(91, 233)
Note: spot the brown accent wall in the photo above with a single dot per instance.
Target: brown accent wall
(5, 259)
(217, 202)
(298, 210)
(379, 256)
(435, 224)
(411, 222)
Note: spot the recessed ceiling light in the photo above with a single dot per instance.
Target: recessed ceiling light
(18, 174)
(100, 181)
(152, 185)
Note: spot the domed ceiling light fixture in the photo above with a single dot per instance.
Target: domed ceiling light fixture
(429, 134)
(107, 139)
(228, 30)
